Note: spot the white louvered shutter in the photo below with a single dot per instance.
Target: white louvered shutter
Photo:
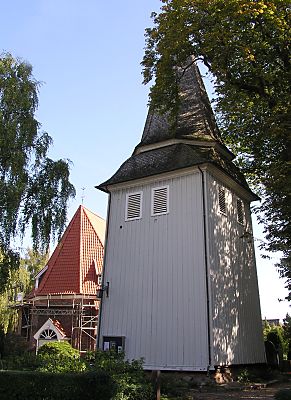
(160, 200)
(133, 206)
(221, 200)
(240, 211)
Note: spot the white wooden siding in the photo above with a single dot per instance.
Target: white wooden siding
(237, 327)
(155, 266)
(156, 269)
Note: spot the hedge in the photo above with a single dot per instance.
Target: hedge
(33, 385)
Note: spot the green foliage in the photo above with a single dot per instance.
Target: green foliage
(26, 361)
(287, 327)
(55, 349)
(9, 262)
(59, 357)
(244, 376)
(14, 345)
(173, 385)
(275, 334)
(19, 281)
(34, 189)
(32, 262)
(49, 386)
(56, 357)
(283, 394)
(129, 377)
(8, 314)
(245, 45)
(287, 335)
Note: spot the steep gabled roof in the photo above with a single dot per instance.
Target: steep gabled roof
(77, 259)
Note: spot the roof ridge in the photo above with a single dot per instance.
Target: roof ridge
(90, 222)
(81, 245)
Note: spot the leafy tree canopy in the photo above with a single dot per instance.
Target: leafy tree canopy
(20, 281)
(17, 281)
(32, 262)
(34, 188)
(245, 45)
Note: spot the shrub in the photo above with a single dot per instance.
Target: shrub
(173, 385)
(283, 394)
(54, 349)
(130, 378)
(49, 386)
(13, 344)
(244, 376)
(25, 362)
(59, 357)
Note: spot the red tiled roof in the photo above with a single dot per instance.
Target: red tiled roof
(58, 326)
(77, 259)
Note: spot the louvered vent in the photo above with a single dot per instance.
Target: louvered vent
(133, 206)
(221, 199)
(240, 211)
(160, 200)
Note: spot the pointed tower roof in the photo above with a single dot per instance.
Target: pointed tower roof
(77, 259)
(195, 118)
(193, 140)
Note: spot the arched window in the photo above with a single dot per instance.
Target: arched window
(48, 334)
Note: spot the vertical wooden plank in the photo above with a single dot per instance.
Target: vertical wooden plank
(236, 309)
(157, 296)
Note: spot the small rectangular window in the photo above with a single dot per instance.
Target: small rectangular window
(240, 211)
(221, 200)
(160, 200)
(114, 343)
(133, 206)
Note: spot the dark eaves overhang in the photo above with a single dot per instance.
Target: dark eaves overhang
(172, 158)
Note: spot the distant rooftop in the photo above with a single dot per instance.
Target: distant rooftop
(77, 259)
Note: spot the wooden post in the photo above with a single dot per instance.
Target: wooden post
(156, 379)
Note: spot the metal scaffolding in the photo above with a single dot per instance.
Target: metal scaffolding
(83, 310)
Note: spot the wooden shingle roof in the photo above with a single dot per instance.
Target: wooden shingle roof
(77, 259)
(171, 158)
(193, 139)
(195, 118)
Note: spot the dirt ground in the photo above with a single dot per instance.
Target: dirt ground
(262, 394)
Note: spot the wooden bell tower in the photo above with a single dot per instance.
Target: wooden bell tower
(179, 258)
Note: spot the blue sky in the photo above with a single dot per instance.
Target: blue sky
(92, 102)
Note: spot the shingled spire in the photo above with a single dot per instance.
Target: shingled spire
(194, 139)
(195, 119)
